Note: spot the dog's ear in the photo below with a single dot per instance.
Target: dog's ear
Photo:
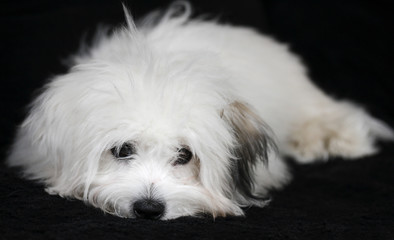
(255, 141)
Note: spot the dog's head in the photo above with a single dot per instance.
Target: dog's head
(140, 132)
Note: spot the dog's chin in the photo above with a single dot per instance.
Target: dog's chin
(177, 201)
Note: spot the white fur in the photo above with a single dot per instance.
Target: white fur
(170, 84)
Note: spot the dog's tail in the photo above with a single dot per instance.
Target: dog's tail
(380, 129)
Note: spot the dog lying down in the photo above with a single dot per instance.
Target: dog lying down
(181, 117)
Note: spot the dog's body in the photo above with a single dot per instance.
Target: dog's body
(172, 120)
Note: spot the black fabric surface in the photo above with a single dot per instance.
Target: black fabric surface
(347, 46)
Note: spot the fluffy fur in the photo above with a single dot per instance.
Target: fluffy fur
(238, 100)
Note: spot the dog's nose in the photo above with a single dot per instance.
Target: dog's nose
(148, 208)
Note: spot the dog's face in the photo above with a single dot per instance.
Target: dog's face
(155, 175)
(146, 136)
(158, 136)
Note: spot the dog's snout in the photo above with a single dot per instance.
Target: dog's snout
(148, 208)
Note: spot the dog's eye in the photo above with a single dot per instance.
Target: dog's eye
(184, 156)
(124, 152)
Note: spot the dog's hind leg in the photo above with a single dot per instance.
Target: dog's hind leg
(334, 129)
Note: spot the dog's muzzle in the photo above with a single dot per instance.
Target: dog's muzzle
(148, 208)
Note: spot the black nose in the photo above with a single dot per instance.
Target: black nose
(148, 208)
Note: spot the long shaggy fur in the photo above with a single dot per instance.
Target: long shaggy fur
(236, 100)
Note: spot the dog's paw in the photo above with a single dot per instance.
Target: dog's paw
(318, 140)
(347, 132)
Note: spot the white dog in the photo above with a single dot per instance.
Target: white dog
(183, 117)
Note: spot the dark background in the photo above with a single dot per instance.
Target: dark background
(347, 46)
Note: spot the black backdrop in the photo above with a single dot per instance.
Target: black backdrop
(347, 46)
